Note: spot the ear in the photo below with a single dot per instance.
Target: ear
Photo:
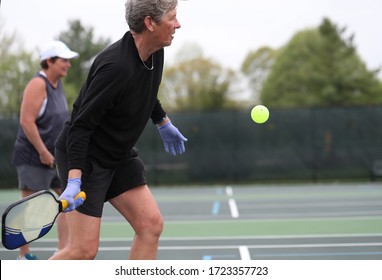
(49, 62)
(149, 23)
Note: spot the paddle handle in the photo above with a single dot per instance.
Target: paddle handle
(65, 204)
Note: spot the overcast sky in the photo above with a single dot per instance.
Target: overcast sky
(226, 30)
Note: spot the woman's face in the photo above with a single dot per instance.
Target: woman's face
(166, 28)
(60, 67)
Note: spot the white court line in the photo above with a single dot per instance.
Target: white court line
(217, 247)
(244, 253)
(233, 208)
(232, 203)
(241, 237)
(229, 191)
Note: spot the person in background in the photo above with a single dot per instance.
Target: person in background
(95, 152)
(43, 112)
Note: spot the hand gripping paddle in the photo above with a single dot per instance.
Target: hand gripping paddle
(31, 218)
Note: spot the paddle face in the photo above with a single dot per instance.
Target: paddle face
(29, 219)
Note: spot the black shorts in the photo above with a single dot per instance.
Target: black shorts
(101, 184)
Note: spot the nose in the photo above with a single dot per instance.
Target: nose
(177, 24)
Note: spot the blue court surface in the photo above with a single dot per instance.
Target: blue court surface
(258, 222)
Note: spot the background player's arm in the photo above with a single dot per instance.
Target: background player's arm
(33, 98)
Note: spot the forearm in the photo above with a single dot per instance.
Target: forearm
(158, 113)
(31, 132)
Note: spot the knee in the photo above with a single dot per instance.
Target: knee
(153, 225)
(156, 225)
(158, 228)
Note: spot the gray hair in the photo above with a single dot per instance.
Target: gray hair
(138, 10)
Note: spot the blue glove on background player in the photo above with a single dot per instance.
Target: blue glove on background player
(72, 189)
(173, 140)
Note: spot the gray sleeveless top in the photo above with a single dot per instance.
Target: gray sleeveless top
(49, 125)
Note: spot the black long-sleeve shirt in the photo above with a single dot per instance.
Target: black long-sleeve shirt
(113, 107)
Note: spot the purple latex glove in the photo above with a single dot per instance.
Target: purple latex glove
(173, 140)
(72, 189)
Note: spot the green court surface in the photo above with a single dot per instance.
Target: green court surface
(315, 221)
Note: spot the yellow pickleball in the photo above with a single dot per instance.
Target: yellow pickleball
(260, 114)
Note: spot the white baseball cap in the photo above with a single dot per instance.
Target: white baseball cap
(59, 49)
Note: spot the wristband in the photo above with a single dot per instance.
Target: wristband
(160, 120)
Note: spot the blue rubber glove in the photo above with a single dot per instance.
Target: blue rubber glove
(72, 189)
(173, 140)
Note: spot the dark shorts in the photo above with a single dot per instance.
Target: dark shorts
(35, 178)
(101, 184)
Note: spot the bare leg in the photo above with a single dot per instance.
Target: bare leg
(140, 209)
(62, 227)
(84, 234)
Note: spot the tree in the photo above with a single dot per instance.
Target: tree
(256, 67)
(197, 84)
(320, 67)
(17, 66)
(80, 39)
